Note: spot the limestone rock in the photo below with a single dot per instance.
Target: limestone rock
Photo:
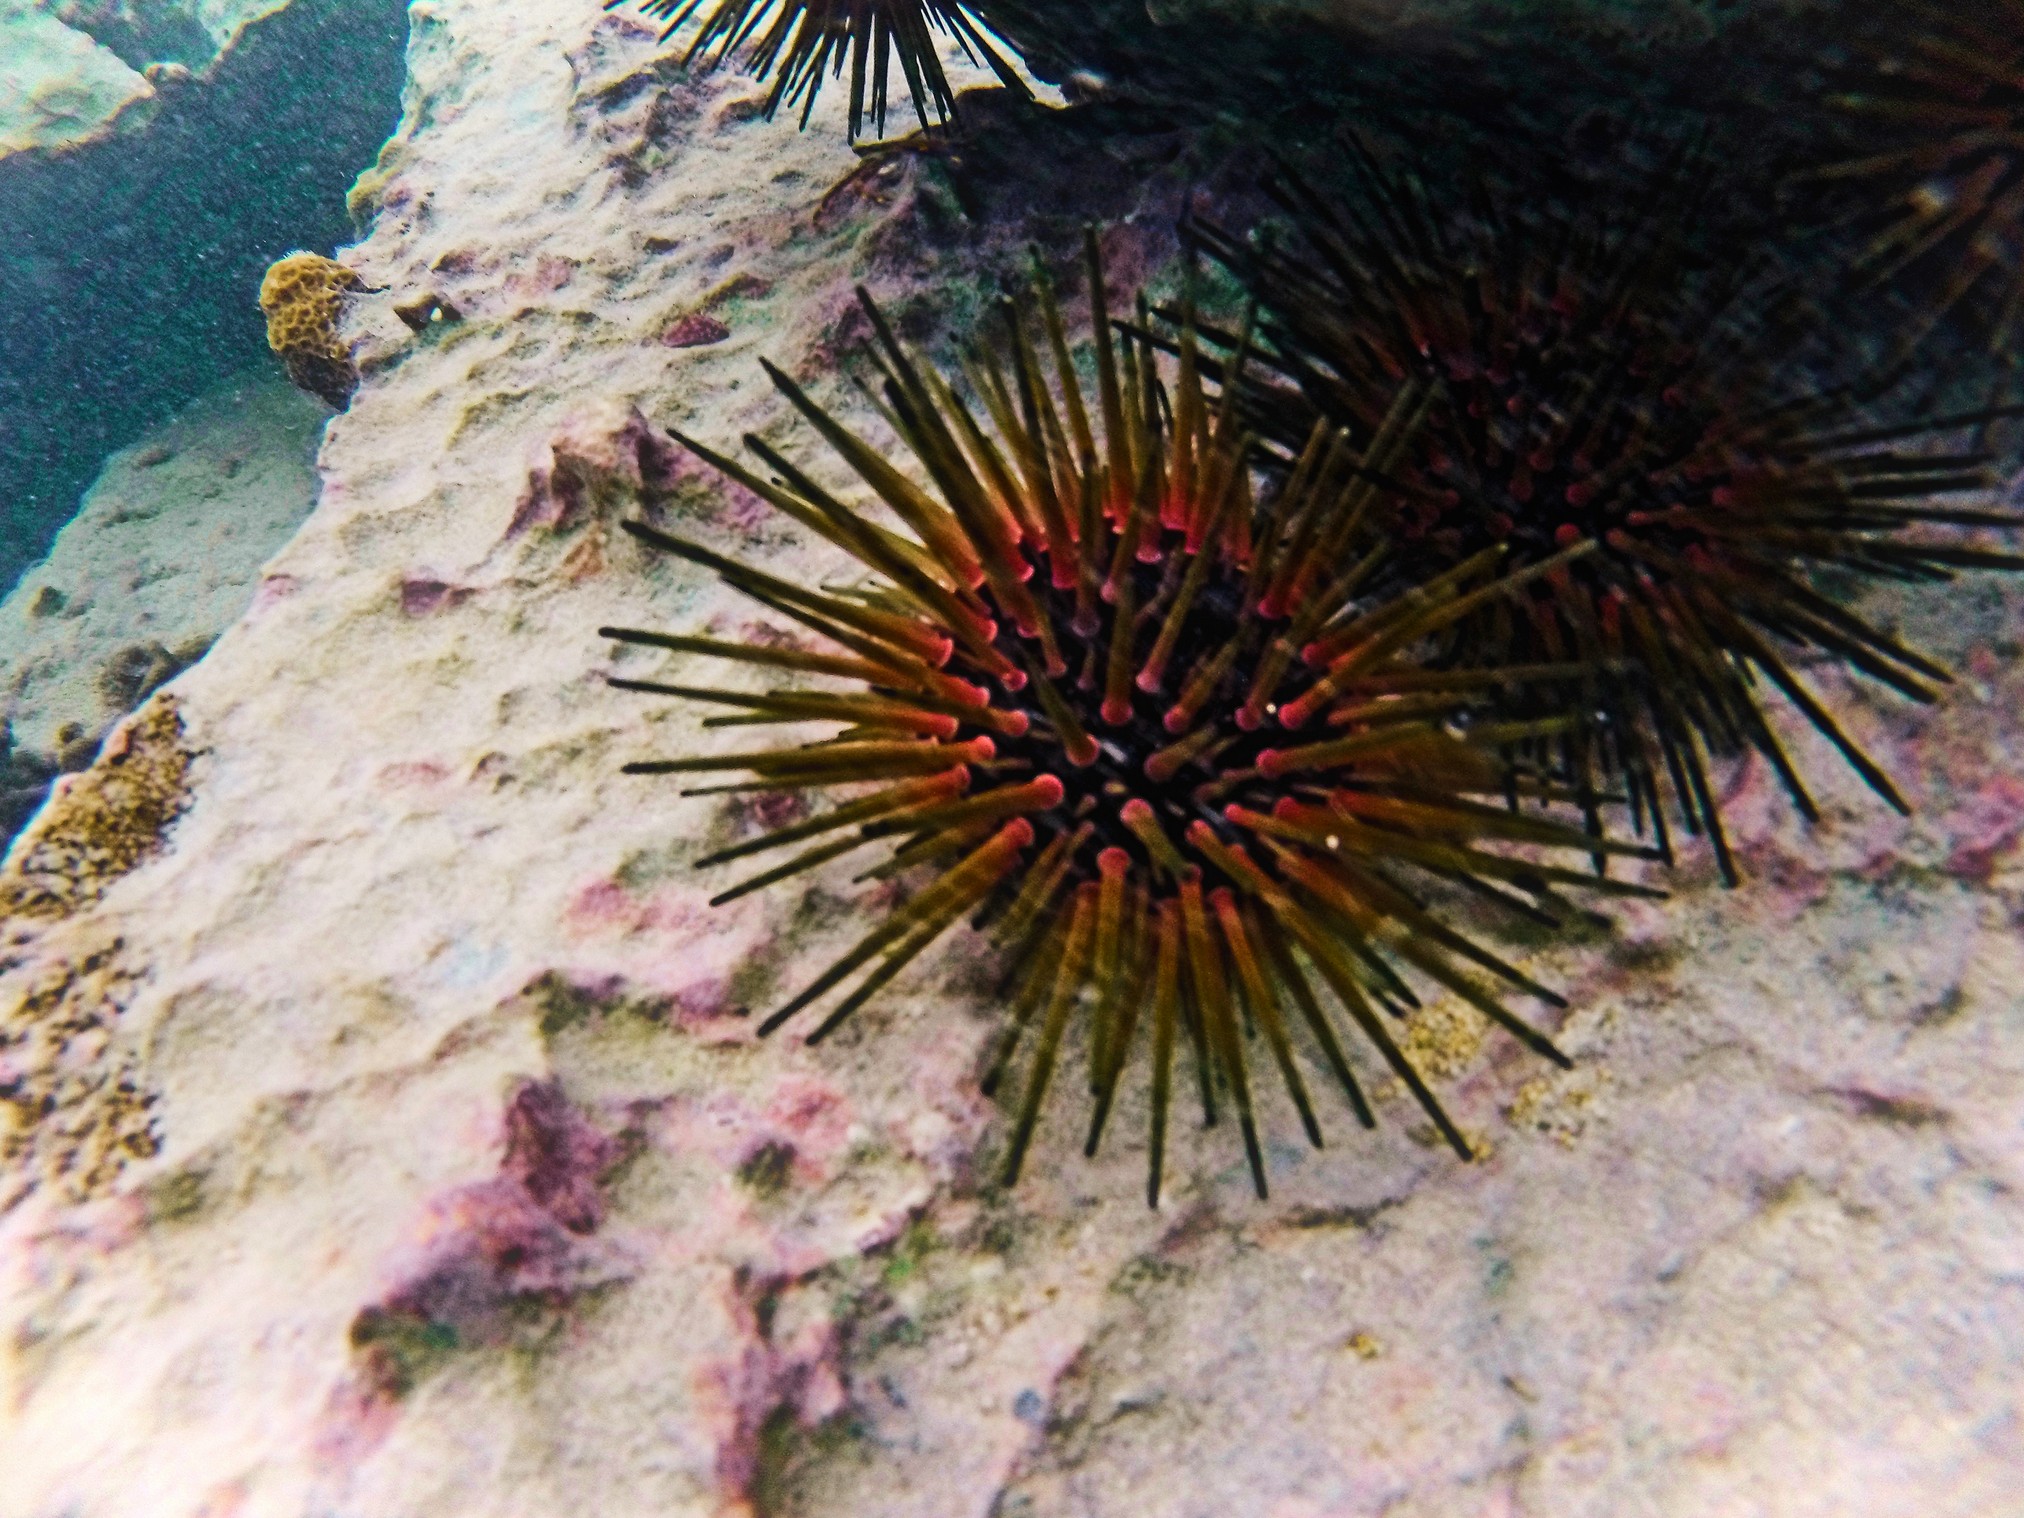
(59, 86)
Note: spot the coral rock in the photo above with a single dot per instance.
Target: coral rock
(103, 824)
(303, 296)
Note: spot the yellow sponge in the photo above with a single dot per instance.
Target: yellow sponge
(303, 296)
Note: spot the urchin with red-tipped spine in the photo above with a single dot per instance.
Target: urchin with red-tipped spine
(1582, 381)
(1066, 682)
(800, 43)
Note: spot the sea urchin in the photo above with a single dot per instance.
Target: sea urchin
(800, 42)
(1065, 684)
(1585, 384)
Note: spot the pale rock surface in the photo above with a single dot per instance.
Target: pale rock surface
(161, 558)
(1643, 19)
(61, 84)
(471, 1191)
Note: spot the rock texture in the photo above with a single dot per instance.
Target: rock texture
(60, 86)
(161, 558)
(423, 1159)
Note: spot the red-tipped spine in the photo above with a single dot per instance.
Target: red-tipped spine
(1095, 532)
(1081, 749)
(1144, 824)
(1232, 861)
(1162, 766)
(1041, 794)
(1152, 675)
(1302, 709)
(1201, 685)
(1117, 673)
(1005, 724)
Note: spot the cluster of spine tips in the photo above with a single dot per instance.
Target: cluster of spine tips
(801, 43)
(1153, 734)
(1607, 394)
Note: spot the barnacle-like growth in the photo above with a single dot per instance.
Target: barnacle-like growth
(1941, 195)
(1584, 385)
(1061, 695)
(799, 43)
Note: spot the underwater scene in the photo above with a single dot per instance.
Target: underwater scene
(1012, 758)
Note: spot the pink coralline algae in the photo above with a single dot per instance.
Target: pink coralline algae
(557, 1157)
(548, 275)
(1983, 826)
(493, 1249)
(782, 1369)
(424, 597)
(273, 590)
(696, 331)
(802, 1128)
(593, 459)
(655, 942)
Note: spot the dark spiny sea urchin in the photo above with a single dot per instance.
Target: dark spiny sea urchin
(800, 43)
(1939, 189)
(1585, 384)
(1062, 690)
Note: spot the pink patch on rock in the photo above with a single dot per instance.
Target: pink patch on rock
(814, 1113)
(741, 287)
(743, 510)
(797, 1371)
(488, 1252)
(273, 590)
(1983, 827)
(425, 597)
(548, 275)
(417, 772)
(765, 811)
(557, 1156)
(697, 330)
(596, 462)
(604, 904)
(703, 1003)
(805, 1119)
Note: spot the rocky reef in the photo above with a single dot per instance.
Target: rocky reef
(162, 556)
(130, 273)
(387, 1130)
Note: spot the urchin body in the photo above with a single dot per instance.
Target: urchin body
(1075, 670)
(1583, 385)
